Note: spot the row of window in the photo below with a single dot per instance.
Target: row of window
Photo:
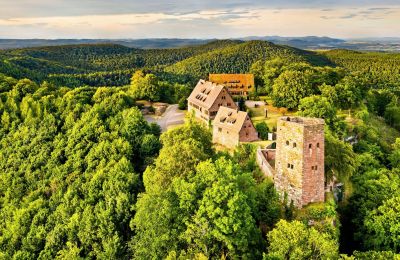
(295, 145)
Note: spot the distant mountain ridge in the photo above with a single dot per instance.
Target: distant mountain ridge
(307, 42)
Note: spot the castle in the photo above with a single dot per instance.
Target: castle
(297, 163)
(213, 103)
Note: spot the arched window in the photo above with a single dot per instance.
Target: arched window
(310, 146)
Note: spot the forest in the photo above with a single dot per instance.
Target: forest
(83, 175)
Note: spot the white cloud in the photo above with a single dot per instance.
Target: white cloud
(211, 23)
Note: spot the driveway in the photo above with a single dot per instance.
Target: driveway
(171, 116)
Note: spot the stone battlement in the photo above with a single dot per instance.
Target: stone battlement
(306, 121)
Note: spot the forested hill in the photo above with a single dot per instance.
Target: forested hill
(240, 57)
(383, 68)
(112, 65)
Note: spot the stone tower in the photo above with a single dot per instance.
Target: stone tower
(299, 163)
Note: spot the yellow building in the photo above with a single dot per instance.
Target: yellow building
(237, 84)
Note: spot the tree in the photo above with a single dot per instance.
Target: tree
(371, 190)
(394, 156)
(242, 104)
(290, 87)
(383, 226)
(349, 91)
(223, 224)
(340, 160)
(293, 240)
(318, 106)
(145, 86)
(262, 129)
(392, 115)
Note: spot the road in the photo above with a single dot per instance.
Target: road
(171, 116)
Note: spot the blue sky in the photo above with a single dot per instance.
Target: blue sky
(197, 19)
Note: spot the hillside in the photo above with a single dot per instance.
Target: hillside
(75, 65)
(240, 57)
(382, 69)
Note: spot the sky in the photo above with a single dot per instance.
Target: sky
(133, 19)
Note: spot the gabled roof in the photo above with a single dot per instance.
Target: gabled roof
(233, 79)
(205, 93)
(230, 119)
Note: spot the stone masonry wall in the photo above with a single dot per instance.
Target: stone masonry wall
(299, 170)
(313, 166)
(225, 137)
(262, 157)
(289, 161)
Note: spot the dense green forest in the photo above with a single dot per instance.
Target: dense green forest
(84, 176)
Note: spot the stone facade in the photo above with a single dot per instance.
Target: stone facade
(237, 84)
(300, 159)
(266, 160)
(231, 127)
(206, 99)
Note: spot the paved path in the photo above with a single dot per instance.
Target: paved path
(171, 116)
(250, 103)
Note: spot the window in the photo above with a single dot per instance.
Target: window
(294, 145)
(317, 145)
(287, 142)
(310, 146)
(312, 168)
(219, 129)
(315, 167)
(291, 166)
(228, 104)
(288, 165)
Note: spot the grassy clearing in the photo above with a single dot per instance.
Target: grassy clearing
(258, 113)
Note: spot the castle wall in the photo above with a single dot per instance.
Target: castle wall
(299, 169)
(225, 137)
(313, 166)
(263, 158)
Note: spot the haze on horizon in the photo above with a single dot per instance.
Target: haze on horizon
(52, 19)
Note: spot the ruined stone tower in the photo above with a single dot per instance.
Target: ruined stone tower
(299, 161)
